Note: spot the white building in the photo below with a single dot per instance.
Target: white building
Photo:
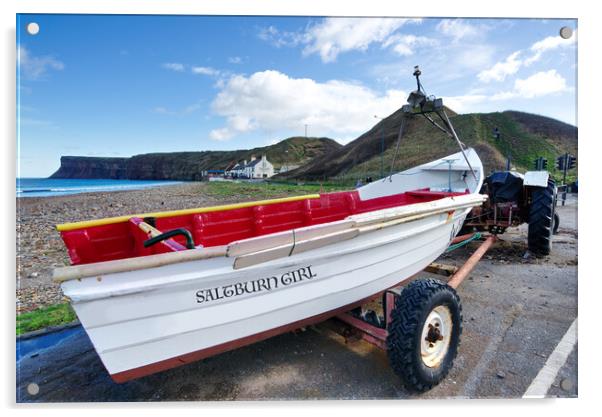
(256, 168)
(259, 168)
(235, 170)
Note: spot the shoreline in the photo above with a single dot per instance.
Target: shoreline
(102, 188)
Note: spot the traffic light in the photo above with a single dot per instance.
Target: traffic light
(571, 162)
(496, 133)
(560, 163)
(541, 164)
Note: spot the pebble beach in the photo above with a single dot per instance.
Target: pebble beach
(40, 248)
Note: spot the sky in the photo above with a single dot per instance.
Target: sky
(117, 86)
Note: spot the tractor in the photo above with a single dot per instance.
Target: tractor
(515, 199)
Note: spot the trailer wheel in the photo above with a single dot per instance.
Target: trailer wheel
(541, 219)
(424, 333)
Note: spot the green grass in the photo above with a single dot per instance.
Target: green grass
(45, 317)
(265, 190)
(423, 143)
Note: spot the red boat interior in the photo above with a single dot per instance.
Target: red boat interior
(125, 239)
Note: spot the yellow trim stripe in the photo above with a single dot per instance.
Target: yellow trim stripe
(111, 220)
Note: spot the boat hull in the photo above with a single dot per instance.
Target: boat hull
(142, 322)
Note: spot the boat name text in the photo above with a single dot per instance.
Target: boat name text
(257, 285)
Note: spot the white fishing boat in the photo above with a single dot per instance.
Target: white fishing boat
(158, 290)
(154, 311)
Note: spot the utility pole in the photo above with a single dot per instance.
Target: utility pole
(566, 167)
(382, 146)
(305, 131)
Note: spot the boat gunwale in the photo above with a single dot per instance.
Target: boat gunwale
(98, 269)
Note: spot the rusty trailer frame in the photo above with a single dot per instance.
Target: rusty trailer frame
(358, 328)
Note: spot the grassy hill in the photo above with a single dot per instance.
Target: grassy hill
(295, 151)
(190, 165)
(524, 137)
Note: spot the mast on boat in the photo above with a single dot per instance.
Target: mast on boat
(419, 103)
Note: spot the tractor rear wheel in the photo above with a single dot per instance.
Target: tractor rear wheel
(541, 218)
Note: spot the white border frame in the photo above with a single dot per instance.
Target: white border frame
(589, 155)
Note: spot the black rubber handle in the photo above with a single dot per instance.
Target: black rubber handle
(171, 233)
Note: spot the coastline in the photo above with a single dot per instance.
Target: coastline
(51, 187)
(40, 248)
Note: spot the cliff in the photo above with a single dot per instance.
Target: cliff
(92, 167)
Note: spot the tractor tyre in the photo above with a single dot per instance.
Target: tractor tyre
(541, 219)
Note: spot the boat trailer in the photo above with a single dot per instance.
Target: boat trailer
(361, 323)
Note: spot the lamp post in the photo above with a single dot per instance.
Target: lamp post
(382, 146)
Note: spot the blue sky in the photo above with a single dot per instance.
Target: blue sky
(125, 85)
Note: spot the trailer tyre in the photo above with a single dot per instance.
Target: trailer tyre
(424, 333)
(541, 219)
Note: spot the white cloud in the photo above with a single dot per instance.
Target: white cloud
(333, 36)
(162, 110)
(539, 84)
(235, 60)
(280, 38)
(186, 110)
(458, 29)
(177, 67)
(441, 64)
(174, 66)
(272, 101)
(470, 57)
(513, 63)
(405, 44)
(548, 44)
(34, 68)
(464, 104)
(205, 71)
(501, 70)
(220, 135)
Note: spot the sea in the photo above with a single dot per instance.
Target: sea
(49, 187)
